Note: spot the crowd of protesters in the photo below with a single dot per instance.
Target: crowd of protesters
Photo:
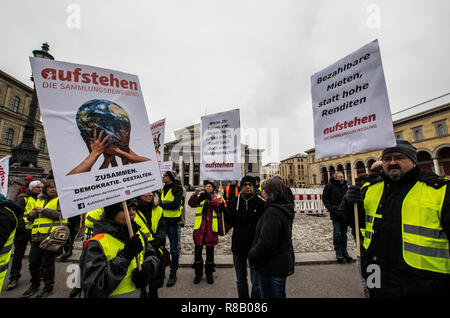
(403, 226)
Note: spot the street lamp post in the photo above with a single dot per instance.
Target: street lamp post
(25, 153)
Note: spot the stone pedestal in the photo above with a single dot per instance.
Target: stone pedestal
(17, 175)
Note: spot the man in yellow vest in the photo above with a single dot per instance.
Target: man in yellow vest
(9, 216)
(171, 203)
(404, 218)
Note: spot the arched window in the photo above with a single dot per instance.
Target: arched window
(42, 145)
(14, 104)
(9, 136)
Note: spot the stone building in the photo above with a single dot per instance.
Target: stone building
(425, 125)
(294, 171)
(15, 98)
(184, 151)
(269, 170)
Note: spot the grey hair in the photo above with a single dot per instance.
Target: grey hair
(336, 174)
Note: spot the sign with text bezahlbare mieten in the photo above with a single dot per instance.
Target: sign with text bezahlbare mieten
(96, 127)
(221, 146)
(350, 105)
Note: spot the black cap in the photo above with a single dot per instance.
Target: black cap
(111, 211)
(404, 147)
(250, 179)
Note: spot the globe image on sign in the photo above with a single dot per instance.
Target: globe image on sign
(102, 114)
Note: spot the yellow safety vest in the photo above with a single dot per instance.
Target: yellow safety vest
(111, 246)
(42, 224)
(157, 213)
(166, 198)
(5, 252)
(30, 204)
(199, 216)
(425, 245)
(90, 218)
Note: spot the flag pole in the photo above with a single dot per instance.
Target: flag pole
(355, 210)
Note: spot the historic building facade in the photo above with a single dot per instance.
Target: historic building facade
(269, 170)
(427, 130)
(15, 98)
(184, 151)
(294, 171)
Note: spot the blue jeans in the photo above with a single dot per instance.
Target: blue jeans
(240, 266)
(174, 239)
(272, 287)
(339, 237)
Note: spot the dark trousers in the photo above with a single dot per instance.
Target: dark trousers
(20, 245)
(42, 265)
(209, 253)
(339, 236)
(240, 266)
(73, 225)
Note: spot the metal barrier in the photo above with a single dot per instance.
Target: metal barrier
(309, 201)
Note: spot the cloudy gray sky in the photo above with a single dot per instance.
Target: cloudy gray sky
(198, 56)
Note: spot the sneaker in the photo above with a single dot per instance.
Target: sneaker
(172, 280)
(30, 291)
(45, 292)
(13, 284)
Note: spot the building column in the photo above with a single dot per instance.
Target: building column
(345, 174)
(191, 168)
(367, 169)
(181, 167)
(437, 169)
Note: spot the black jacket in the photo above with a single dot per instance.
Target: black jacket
(386, 248)
(177, 192)
(99, 277)
(333, 194)
(243, 220)
(159, 239)
(7, 221)
(270, 253)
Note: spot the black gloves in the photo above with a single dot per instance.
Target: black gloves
(142, 278)
(132, 247)
(353, 194)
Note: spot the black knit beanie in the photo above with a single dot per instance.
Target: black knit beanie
(250, 179)
(403, 147)
(111, 211)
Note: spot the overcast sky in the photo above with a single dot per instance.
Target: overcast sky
(205, 56)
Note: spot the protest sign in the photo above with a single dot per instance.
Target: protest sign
(157, 129)
(166, 166)
(4, 173)
(350, 105)
(221, 146)
(97, 134)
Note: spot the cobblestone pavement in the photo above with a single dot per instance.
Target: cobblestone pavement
(309, 234)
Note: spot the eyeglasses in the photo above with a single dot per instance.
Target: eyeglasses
(395, 158)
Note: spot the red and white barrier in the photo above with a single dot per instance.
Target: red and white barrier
(308, 201)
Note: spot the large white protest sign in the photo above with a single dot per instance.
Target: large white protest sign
(96, 127)
(4, 173)
(350, 105)
(158, 129)
(221, 146)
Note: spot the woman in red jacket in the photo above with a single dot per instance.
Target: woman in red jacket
(205, 229)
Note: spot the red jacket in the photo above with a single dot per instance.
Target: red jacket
(204, 235)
